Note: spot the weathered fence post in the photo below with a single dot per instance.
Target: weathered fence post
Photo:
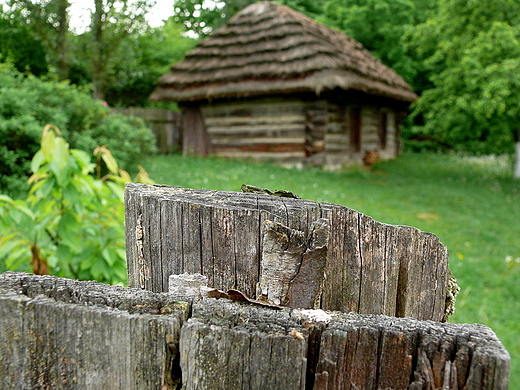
(261, 244)
(65, 334)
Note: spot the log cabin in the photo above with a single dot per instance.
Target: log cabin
(273, 84)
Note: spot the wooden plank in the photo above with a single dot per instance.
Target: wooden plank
(253, 120)
(260, 351)
(245, 141)
(247, 254)
(254, 108)
(264, 147)
(272, 156)
(223, 247)
(407, 354)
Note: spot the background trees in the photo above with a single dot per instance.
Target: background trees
(461, 57)
(119, 55)
(473, 51)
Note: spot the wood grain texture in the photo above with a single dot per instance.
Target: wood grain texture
(65, 334)
(368, 267)
(230, 345)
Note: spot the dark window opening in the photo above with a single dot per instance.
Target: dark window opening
(383, 131)
(355, 129)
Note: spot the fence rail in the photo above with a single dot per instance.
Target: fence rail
(165, 125)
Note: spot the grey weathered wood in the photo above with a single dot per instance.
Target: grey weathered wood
(292, 266)
(409, 354)
(239, 346)
(164, 124)
(370, 267)
(232, 346)
(66, 334)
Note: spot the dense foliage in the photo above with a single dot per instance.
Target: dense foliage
(27, 104)
(473, 51)
(71, 223)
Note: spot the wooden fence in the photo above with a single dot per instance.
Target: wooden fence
(291, 259)
(164, 124)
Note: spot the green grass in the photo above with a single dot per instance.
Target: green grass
(471, 203)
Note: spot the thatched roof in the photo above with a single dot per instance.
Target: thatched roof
(267, 49)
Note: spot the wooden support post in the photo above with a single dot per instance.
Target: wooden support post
(66, 334)
(237, 241)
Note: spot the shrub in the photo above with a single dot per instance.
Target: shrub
(71, 223)
(27, 104)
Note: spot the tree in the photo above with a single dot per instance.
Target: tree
(147, 56)
(474, 54)
(112, 22)
(380, 25)
(19, 44)
(201, 17)
(49, 20)
(28, 103)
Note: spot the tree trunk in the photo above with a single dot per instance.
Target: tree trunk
(517, 161)
(264, 246)
(98, 55)
(67, 334)
(63, 30)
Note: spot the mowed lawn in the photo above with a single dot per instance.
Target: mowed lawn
(471, 203)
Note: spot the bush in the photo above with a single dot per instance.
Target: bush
(71, 223)
(27, 104)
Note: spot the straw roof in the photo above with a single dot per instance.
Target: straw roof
(267, 49)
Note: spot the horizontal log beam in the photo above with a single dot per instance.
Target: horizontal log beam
(292, 127)
(254, 120)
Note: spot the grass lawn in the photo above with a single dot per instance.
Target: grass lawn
(471, 203)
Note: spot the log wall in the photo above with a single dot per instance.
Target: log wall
(260, 130)
(296, 132)
(338, 148)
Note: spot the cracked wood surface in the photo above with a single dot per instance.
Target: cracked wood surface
(369, 267)
(66, 334)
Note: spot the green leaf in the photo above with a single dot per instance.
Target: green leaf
(117, 189)
(109, 255)
(37, 161)
(6, 199)
(65, 256)
(17, 257)
(8, 244)
(46, 186)
(83, 160)
(68, 229)
(72, 196)
(107, 157)
(48, 144)
(100, 269)
(60, 162)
